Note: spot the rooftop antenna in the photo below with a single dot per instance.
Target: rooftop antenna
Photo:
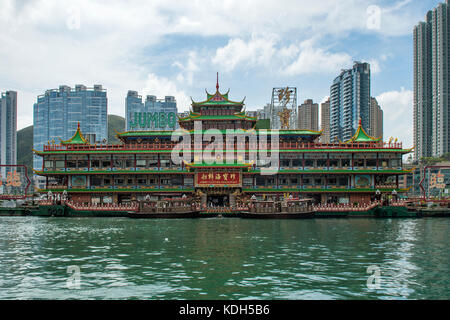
(217, 85)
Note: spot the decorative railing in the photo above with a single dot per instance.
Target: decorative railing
(386, 186)
(344, 207)
(225, 209)
(56, 187)
(102, 207)
(247, 146)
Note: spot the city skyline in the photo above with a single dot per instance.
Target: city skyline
(59, 112)
(188, 40)
(431, 84)
(8, 130)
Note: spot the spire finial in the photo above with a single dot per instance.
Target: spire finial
(217, 85)
(360, 122)
(78, 125)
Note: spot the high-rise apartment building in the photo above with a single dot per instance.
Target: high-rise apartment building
(8, 129)
(349, 102)
(325, 121)
(58, 112)
(432, 83)
(308, 116)
(376, 119)
(154, 114)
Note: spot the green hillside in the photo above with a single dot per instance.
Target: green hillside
(24, 147)
(115, 123)
(25, 140)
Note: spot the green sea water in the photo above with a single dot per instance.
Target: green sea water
(120, 258)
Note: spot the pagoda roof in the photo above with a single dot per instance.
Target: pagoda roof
(217, 99)
(77, 138)
(236, 116)
(362, 136)
(251, 131)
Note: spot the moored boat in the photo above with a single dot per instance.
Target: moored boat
(285, 209)
(167, 209)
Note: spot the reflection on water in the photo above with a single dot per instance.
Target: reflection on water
(223, 258)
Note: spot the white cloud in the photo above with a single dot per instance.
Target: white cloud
(317, 60)
(397, 109)
(41, 49)
(267, 51)
(375, 67)
(162, 87)
(187, 70)
(258, 51)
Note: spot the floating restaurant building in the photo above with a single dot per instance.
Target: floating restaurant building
(145, 166)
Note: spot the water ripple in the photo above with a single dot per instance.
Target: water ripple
(223, 258)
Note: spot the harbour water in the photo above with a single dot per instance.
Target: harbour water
(121, 258)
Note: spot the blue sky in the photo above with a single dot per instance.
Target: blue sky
(176, 47)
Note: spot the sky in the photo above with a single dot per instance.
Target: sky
(162, 47)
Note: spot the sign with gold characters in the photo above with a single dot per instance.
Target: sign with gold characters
(218, 179)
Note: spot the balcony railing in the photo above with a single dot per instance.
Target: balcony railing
(281, 146)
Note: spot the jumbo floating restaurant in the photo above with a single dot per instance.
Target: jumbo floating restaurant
(141, 167)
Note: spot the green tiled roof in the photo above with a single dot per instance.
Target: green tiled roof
(362, 136)
(223, 117)
(77, 138)
(405, 151)
(169, 133)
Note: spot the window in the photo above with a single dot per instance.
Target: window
(71, 164)
(96, 181)
(332, 181)
(49, 164)
(321, 163)
(140, 163)
(309, 163)
(129, 163)
(334, 163)
(60, 164)
(106, 163)
(285, 163)
(345, 163)
(119, 181)
(95, 164)
(296, 163)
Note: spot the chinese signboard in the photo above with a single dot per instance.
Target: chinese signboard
(437, 181)
(14, 182)
(218, 179)
(153, 120)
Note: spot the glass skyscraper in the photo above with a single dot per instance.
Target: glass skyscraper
(349, 102)
(432, 84)
(8, 129)
(154, 114)
(58, 112)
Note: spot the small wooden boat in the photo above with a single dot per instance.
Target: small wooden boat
(167, 209)
(285, 209)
